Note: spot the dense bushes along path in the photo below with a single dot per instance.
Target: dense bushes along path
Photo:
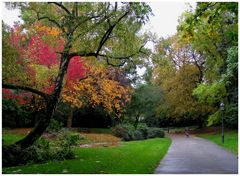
(197, 156)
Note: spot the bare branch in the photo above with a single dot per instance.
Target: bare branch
(117, 57)
(51, 20)
(87, 54)
(60, 112)
(81, 54)
(118, 65)
(85, 20)
(109, 31)
(91, 27)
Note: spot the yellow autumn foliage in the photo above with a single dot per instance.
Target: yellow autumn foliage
(98, 89)
(53, 31)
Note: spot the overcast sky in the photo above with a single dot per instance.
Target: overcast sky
(163, 23)
(165, 19)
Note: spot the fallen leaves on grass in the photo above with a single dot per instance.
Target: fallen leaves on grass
(92, 139)
(100, 140)
(18, 131)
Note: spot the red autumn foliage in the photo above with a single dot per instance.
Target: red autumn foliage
(21, 98)
(41, 53)
(76, 70)
(33, 49)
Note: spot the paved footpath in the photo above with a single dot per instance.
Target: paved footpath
(194, 155)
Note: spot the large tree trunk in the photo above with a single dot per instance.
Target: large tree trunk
(50, 109)
(9, 150)
(50, 105)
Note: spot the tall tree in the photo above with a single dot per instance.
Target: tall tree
(213, 31)
(178, 69)
(144, 101)
(102, 30)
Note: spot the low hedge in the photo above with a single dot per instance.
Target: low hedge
(128, 133)
(155, 132)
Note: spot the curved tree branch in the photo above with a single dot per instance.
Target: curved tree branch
(29, 89)
(117, 65)
(124, 58)
(51, 20)
(61, 6)
(109, 31)
(81, 54)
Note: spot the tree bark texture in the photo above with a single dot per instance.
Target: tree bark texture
(70, 117)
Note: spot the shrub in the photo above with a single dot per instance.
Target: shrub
(138, 135)
(127, 132)
(43, 151)
(61, 148)
(54, 126)
(124, 131)
(64, 152)
(70, 136)
(155, 132)
(38, 152)
(143, 128)
(11, 155)
(66, 140)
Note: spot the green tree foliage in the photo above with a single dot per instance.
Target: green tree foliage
(93, 24)
(10, 55)
(178, 69)
(211, 93)
(179, 103)
(15, 115)
(143, 103)
(213, 31)
(230, 77)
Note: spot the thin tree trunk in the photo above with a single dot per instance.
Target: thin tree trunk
(136, 121)
(70, 117)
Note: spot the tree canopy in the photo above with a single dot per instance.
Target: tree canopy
(65, 31)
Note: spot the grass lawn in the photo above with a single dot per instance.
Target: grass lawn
(135, 157)
(230, 139)
(11, 138)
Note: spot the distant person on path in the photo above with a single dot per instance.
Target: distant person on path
(186, 132)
